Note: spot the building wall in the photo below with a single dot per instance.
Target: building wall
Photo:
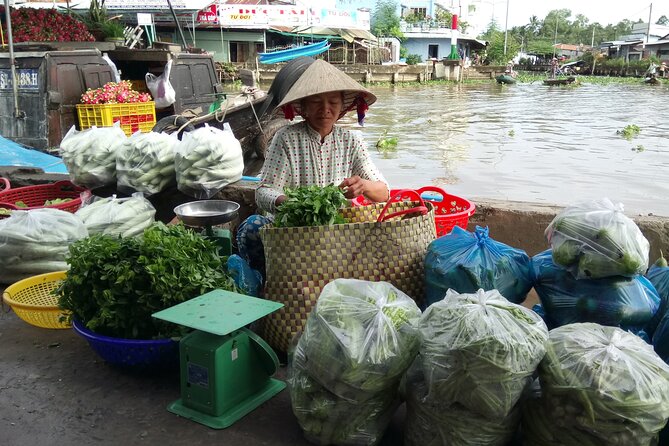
(219, 43)
(420, 47)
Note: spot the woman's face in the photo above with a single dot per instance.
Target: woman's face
(321, 111)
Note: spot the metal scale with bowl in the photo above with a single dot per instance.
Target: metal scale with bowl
(226, 369)
(207, 214)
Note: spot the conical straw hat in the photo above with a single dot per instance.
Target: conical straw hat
(321, 77)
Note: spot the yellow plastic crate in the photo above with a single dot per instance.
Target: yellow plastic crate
(135, 116)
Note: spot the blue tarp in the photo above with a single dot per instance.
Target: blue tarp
(13, 154)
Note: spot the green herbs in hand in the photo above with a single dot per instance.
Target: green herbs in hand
(311, 206)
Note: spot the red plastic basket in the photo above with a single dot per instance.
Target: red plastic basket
(35, 196)
(450, 210)
(4, 184)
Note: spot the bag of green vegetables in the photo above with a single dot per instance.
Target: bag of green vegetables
(599, 386)
(480, 351)
(628, 302)
(595, 239)
(357, 343)
(431, 421)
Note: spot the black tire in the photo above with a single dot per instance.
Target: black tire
(172, 123)
(264, 138)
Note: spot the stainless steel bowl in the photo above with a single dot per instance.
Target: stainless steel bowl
(205, 213)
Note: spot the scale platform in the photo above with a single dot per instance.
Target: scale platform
(226, 369)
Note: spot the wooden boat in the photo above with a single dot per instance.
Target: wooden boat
(505, 79)
(564, 81)
(652, 80)
(293, 53)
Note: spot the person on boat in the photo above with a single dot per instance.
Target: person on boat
(554, 68)
(314, 151)
(509, 69)
(662, 70)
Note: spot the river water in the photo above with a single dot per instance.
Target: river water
(526, 142)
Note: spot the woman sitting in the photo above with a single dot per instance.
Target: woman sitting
(314, 151)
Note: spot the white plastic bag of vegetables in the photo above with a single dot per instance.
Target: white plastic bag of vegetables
(36, 241)
(361, 337)
(125, 217)
(357, 343)
(594, 239)
(145, 163)
(327, 419)
(468, 261)
(208, 159)
(90, 155)
(631, 303)
(433, 422)
(480, 350)
(599, 386)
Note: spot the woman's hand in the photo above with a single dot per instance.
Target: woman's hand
(353, 187)
(280, 199)
(372, 190)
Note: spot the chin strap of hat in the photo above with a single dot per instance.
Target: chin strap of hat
(361, 108)
(288, 111)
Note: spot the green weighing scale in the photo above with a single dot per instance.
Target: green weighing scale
(226, 369)
(208, 213)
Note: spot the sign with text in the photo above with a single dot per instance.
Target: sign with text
(144, 19)
(278, 15)
(28, 79)
(208, 14)
(145, 4)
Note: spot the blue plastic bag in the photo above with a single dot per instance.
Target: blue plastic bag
(248, 280)
(468, 261)
(659, 277)
(628, 303)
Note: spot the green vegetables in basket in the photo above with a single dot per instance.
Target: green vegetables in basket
(56, 201)
(311, 206)
(114, 285)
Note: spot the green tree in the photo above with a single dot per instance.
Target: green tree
(663, 21)
(385, 20)
(495, 48)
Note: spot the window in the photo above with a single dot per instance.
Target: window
(420, 12)
(433, 51)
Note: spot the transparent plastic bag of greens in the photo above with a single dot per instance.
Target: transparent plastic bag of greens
(468, 261)
(207, 159)
(124, 217)
(145, 163)
(604, 381)
(595, 239)
(327, 419)
(431, 421)
(360, 338)
(631, 303)
(90, 155)
(36, 242)
(480, 351)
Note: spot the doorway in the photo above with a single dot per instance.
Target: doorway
(433, 51)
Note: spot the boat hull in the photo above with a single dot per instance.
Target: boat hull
(505, 79)
(566, 81)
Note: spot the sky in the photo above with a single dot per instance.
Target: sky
(602, 11)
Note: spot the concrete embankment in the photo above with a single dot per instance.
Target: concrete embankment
(518, 224)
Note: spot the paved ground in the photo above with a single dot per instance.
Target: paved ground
(54, 390)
